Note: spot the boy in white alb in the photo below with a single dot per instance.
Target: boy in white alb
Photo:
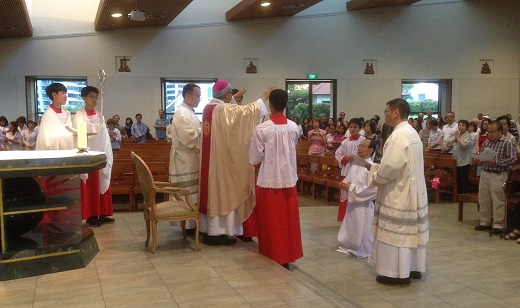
(355, 234)
(348, 147)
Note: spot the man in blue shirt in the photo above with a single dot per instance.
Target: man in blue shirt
(160, 126)
(139, 130)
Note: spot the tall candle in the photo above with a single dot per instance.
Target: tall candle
(82, 135)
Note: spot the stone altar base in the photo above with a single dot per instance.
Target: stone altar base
(33, 259)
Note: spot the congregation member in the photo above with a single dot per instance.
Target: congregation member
(21, 123)
(114, 134)
(96, 195)
(118, 126)
(4, 125)
(491, 194)
(340, 119)
(185, 149)
(139, 129)
(14, 138)
(338, 138)
(504, 120)
(160, 126)
(400, 223)
(227, 200)
(483, 134)
(30, 135)
(355, 233)
(348, 147)
(324, 122)
(300, 128)
(473, 131)
(128, 127)
(462, 144)
(317, 138)
(435, 137)
(55, 130)
(448, 130)
(273, 150)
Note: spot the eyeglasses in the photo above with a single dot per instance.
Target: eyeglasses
(386, 111)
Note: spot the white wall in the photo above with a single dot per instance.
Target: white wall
(438, 39)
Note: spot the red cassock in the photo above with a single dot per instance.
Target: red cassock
(279, 235)
(92, 202)
(342, 210)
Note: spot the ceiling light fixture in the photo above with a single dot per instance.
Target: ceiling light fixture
(265, 4)
(117, 15)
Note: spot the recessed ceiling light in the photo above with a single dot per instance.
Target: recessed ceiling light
(116, 15)
(265, 4)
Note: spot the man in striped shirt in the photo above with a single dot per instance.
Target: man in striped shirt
(491, 196)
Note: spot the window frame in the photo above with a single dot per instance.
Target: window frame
(31, 83)
(444, 95)
(165, 101)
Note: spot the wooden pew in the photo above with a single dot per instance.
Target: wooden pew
(470, 197)
(156, 153)
(444, 167)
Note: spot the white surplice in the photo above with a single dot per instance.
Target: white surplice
(347, 148)
(277, 154)
(98, 140)
(355, 234)
(52, 131)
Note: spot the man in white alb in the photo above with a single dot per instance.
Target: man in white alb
(185, 149)
(400, 222)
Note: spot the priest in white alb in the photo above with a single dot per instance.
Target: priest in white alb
(226, 190)
(400, 221)
(185, 148)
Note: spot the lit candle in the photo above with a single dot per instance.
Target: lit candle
(82, 134)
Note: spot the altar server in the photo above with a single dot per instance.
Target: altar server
(273, 151)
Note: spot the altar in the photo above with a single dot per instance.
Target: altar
(40, 212)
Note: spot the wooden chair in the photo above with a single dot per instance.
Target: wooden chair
(173, 210)
(160, 173)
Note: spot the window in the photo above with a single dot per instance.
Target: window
(311, 98)
(172, 94)
(423, 95)
(38, 101)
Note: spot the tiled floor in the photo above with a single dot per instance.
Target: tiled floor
(465, 268)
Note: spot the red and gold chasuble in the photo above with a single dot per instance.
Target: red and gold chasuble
(226, 177)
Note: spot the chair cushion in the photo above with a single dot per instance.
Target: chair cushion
(171, 209)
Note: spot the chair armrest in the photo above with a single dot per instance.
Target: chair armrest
(171, 190)
(162, 184)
